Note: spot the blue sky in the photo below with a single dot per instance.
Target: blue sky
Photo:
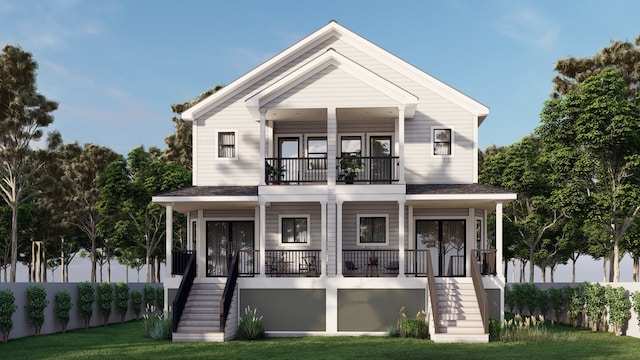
(116, 66)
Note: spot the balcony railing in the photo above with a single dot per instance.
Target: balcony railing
(368, 169)
(295, 170)
(292, 263)
(370, 262)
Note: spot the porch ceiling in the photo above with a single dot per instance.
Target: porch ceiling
(342, 114)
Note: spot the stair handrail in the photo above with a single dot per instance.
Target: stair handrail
(229, 289)
(183, 291)
(435, 315)
(481, 295)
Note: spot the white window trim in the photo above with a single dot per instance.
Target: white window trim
(374, 134)
(363, 143)
(305, 150)
(287, 216)
(432, 142)
(237, 148)
(386, 230)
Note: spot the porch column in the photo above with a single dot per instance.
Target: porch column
(339, 238)
(400, 142)
(263, 120)
(401, 239)
(201, 245)
(499, 238)
(323, 238)
(332, 145)
(263, 222)
(168, 249)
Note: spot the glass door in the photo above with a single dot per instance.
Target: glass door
(380, 153)
(288, 154)
(445, 240)
(224, 239)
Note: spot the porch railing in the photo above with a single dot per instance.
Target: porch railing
(368, 169)
(293, 263)
(229, 290)
(248, 263)
(370, 262)
(416, 262)
(183, 290)
(179, 259)
(295, 170)
(486, 259)
(481, 294)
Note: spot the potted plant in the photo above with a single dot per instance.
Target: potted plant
(350, 165)
(275, 173)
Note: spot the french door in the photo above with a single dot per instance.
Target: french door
(224, 239)
(445, 240)
(380, 170)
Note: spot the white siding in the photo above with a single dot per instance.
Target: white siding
(350, 212)
(272, 234)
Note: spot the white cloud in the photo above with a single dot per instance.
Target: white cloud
(527, 25)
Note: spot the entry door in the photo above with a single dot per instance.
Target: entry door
(288, 154)
(380, 152)
(445, 240)
(224, 239)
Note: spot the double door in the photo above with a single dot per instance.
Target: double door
(224, 240)
(445, 240)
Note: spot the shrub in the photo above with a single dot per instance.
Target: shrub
(542, 301)
(495, 329)
(251, 326)
(619, 307)
(157, 326)
(62, 308)
(160, 298)
(413, 328)
(36, 303)
(7, 308)
(122, 299)
(510, 300)
(594, 303)
(636, 304)
(105, 301)
(149, 298)
(86, 298)
(524, 295)
(575, 303)
(556, 302)
(136, 303)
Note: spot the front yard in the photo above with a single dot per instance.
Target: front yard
(127, 341)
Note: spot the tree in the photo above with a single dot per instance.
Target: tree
(23, 114)
(593, 133)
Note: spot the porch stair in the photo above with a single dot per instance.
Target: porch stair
(460, 319)
(200, 320)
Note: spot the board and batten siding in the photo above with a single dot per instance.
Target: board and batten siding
(350, 212)
(272, 227)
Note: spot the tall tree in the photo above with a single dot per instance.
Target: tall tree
(593, 135)
(23, 114)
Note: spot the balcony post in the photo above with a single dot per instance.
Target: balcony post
(263, 120)
(262, 238)
(400, 141)
(168, 248)
(323, 238)
(332, 145)
(339, 238)
(401, 236)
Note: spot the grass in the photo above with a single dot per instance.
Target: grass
(127, 341)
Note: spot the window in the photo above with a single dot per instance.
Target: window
(317, 152)
(294, 230)
(373, 229)
(227, 144)
(442, 142)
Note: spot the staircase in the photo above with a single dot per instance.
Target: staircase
(201, 317)
(460, 319)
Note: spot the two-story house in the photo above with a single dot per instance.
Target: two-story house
(333, 185)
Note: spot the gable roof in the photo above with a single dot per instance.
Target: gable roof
(327, 31)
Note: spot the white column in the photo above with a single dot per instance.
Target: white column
(263, 120)
(201, 245)
(411, 235)
(323, 238)
(169, 255)
(339, 238)
(499, 239)
(470, 242)
(401, 239)
(332, 145)
(263, 241)
(400, 141)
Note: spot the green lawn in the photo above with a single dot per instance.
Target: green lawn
(127, 341)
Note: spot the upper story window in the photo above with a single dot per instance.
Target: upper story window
(227, 148)
(373, 230)
(294, 229)
(317, 152)
(442, 141)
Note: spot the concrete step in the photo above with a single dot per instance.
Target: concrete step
(197, 337)
(460, 338)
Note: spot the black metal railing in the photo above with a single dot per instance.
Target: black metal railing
(293, 263)
(368, 169)
(229, 289)
(370, 262)
(182, 295)
(248, 263)
(415, 262)
(486, 259)
(179, 259)
(295, 170)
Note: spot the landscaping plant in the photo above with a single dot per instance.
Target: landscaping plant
(122, 299)
(530, 328)
(510, 300)
(416, 328)
(542, 302)
(635, 296)
(7, 308)
(62, 308)
(556, 302)
(36, 303)
(594, 303)
(136, 303)
(86, 298)
(250, 326)
(619, 307)
(149, 299)
(160, 299)
(575, 304)
(157, 326)
(105, 300)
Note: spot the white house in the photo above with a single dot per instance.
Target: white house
(333, 185)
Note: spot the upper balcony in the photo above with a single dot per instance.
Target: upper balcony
(349, 170)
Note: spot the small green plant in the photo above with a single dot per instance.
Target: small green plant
(495, 329)
(7, 308)
(556, 302)
(149, 298)
(415, 328)
(63, 308)
(157, 326)
(36, 303)
(160, 298)
(105, 301)
(136, 303)
(251, 326)
(575, 304)
(619, 307)
(86, 298)
(122, 299)
(594, 303)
